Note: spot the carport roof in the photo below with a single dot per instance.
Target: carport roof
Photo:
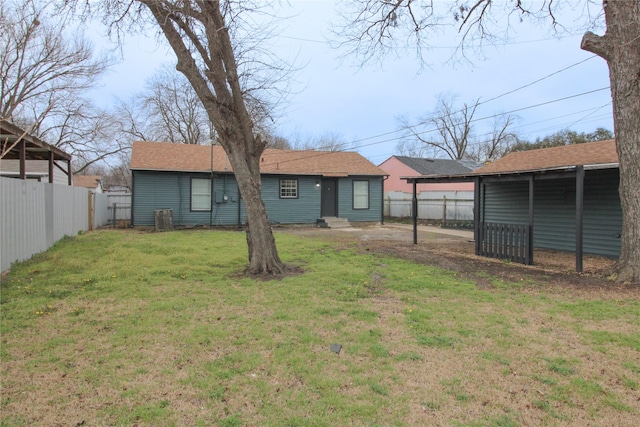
(592, 155)
(35, 148)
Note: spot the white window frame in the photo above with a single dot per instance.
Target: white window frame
(201, 194)
(288, 188)
(360, 195)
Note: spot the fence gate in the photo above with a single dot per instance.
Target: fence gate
(120, 210)
(506, 241)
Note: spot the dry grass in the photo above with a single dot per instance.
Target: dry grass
(115, 328)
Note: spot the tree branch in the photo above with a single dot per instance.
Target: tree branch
(596, 44)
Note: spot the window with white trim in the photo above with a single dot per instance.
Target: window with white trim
(360, 194)
(288, 188)
(200, 194)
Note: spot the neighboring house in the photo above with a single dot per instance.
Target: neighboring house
(92, 182)
(565, 197)
(401, 166)
(298, 187)
(26, 157)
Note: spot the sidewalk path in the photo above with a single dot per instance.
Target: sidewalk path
(431, 229)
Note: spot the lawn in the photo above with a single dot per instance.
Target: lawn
(161, 329)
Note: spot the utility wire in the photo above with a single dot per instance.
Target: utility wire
(539, 80)
(324, 153)
(549, 128)
(483, 102)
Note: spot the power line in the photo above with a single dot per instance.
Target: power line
(324, 153)
(564, 125)
(539, 80)
(513, 111)
(595, 111)
(303, 39)
(488, 100)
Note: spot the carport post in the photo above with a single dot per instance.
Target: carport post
(414, 213)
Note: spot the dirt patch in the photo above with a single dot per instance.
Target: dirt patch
(551, 269)
(289, 271)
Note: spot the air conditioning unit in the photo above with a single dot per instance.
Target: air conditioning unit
(163, 219)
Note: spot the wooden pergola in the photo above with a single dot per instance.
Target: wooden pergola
(18, 144)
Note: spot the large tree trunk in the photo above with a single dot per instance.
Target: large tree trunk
(263, 255)
(200, 39)
(620, 47)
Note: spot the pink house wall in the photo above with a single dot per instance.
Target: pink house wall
(396, 169)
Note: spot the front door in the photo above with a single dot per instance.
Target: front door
(329, 203)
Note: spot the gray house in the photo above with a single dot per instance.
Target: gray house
(298, 187)
(564, 198)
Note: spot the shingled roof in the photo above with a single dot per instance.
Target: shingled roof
(87, 181)
(162, 156)
(437, 166)
(589, 153)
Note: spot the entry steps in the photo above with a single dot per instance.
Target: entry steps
(333, 222)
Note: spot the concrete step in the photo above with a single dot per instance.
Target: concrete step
(333, 222)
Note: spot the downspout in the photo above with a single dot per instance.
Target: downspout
(414, 214)
(239, 206)
(133, 197)
(180, 198)
(384, 178)
(531, 218)
(211, 199)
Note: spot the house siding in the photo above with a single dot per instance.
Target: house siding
(305, 209)
(555, 211)
(345, 202)
(172, 190)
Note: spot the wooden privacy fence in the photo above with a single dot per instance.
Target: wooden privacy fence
(505, 241)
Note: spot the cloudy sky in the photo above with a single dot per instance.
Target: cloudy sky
(544, 79)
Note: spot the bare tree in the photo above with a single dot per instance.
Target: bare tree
(174, 111)
(410, 147)
(449, 129)
(40, 66)
(372, 26)
(327, 141)
(276, 141)
(169, 110)
(496, 143)
(85, 131)
(117, 173)
(45, 71)
(217, 46)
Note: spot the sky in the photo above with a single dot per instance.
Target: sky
(546, 81)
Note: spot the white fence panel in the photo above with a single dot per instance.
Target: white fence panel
(22, 221)
(100, 209)
(34, 215)
(70, 210)
(434, 205)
